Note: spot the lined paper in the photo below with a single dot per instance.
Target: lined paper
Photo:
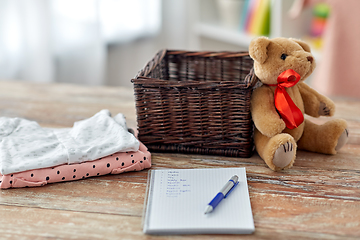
(178, 197)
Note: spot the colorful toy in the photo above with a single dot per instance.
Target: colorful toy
(279, 105)
(321, 12)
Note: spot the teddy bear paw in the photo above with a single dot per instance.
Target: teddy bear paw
(284, 155)
(324, 110)
(342, 139)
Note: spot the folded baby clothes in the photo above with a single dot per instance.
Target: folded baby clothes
(112, 164)
(26, 146)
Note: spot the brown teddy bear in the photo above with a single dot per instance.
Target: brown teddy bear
(277, 107)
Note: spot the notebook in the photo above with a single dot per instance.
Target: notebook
(177, 198)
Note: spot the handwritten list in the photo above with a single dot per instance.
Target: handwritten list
(175, 184)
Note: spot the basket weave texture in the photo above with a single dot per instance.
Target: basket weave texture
(196, 102)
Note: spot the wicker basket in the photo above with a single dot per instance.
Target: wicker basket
(196, 102)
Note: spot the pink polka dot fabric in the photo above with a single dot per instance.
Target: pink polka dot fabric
(113, 164)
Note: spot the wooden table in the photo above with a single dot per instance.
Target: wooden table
(319, 198)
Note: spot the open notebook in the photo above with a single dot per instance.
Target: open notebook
(177, 198)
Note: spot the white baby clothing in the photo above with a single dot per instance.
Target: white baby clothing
(25, 145)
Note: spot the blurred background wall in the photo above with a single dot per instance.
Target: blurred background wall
(96, 42)
(106, 42)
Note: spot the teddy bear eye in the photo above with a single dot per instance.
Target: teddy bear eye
(283, 56)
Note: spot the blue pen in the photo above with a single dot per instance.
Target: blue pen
(229, 186)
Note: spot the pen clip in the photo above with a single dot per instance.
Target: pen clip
(231, 188)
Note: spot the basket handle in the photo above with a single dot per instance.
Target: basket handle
(151, 65)
(251, 79)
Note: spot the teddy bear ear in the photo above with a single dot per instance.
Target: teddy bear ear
(302, 44)
(258, 49)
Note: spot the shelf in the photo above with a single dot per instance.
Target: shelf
(220, 33)
(232, 36)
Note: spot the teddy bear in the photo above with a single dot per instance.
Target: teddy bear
(279, 104)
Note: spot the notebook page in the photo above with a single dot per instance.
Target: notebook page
(178, 198)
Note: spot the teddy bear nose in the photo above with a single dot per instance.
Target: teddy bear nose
(310, 59)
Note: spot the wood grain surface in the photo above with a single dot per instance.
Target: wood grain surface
(319, 198)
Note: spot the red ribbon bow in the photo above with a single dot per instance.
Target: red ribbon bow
(290, 113)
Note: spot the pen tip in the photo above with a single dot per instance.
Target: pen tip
(208, 209)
